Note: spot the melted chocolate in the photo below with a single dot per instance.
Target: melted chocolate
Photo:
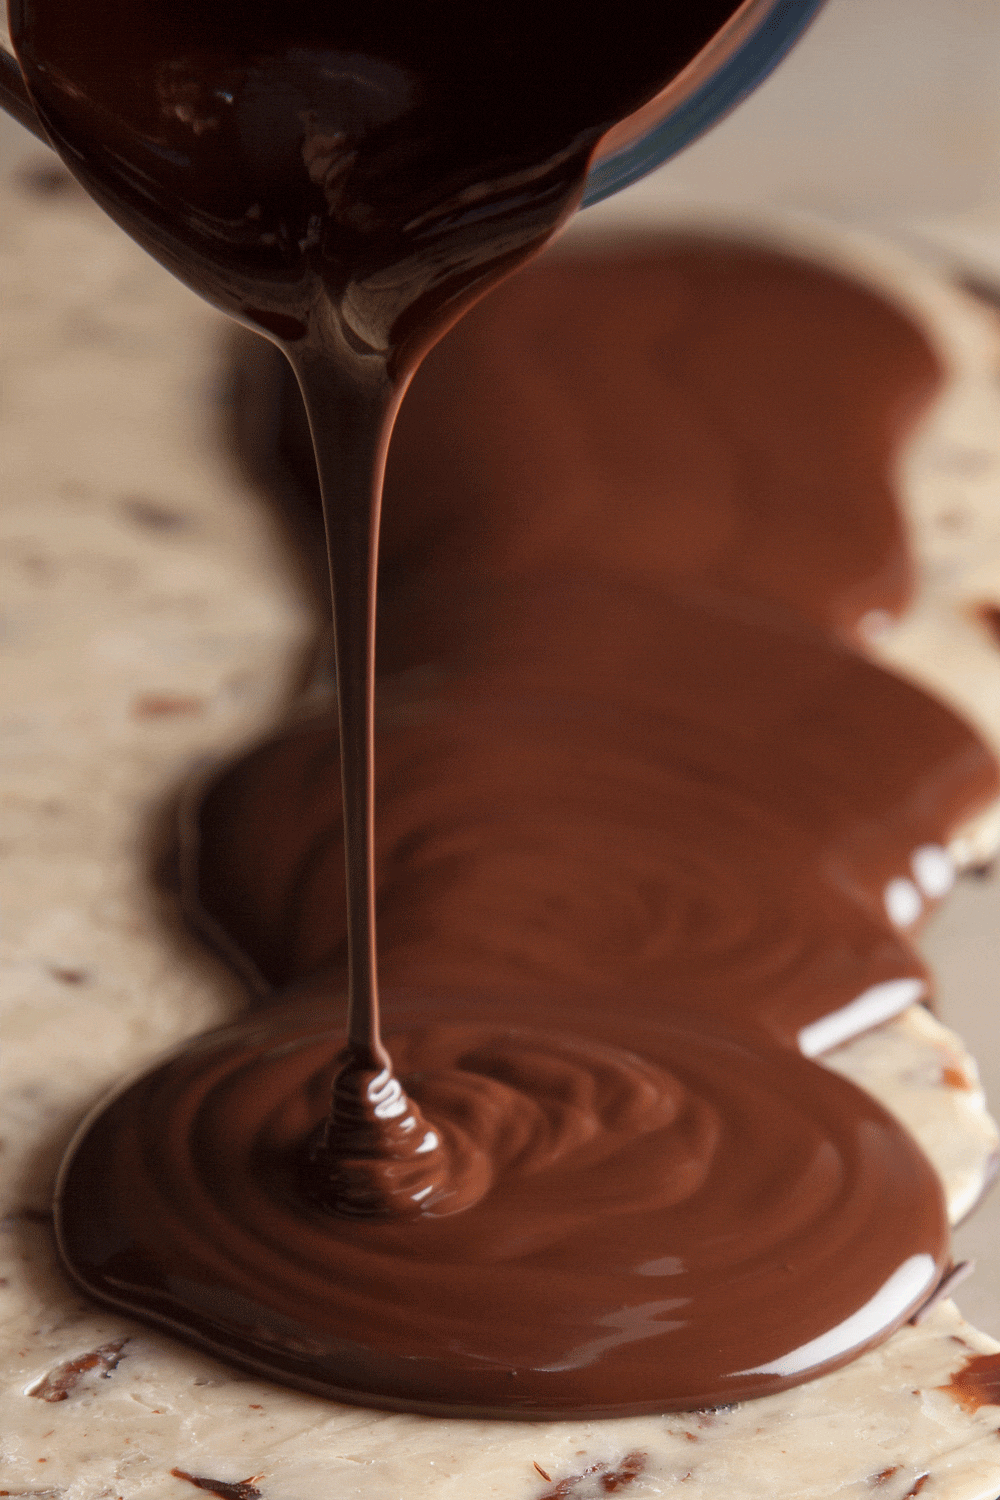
(343, 176)
(663, 1227)
(625, 1188)
(640, 799)
(575, 692)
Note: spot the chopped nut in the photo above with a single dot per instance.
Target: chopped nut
(59, 1382)
(240, 1489)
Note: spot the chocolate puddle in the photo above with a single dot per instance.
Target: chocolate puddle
(640, 802)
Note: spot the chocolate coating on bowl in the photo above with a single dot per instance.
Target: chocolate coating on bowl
(640, 798)
(339, 174)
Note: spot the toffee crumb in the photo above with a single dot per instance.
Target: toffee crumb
(152, 515)
(630, 1468)
(990, 616)
(46, 179)
(165, 705)
(33, 1215)
(604, 1479)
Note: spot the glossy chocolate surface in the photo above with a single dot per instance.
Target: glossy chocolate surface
(677, 1225)
(641, 797)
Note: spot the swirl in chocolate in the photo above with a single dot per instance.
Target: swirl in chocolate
(650, 1231)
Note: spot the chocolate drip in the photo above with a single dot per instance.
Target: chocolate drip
(376, 1157)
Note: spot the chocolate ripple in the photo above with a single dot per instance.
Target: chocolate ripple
(650, 832)
(694, 1218)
